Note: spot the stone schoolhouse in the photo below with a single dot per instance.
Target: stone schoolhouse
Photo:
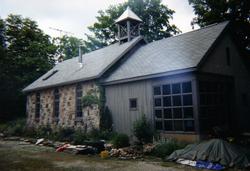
(185, 84)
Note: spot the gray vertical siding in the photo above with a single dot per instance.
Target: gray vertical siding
(117, 99)
(118, 102)
(217, 64)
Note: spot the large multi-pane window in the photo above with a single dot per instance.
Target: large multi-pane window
(56, 103)
(78, 100)
(214, 103)
(173, 107)
(37, 111)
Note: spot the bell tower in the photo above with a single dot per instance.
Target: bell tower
(128, 26)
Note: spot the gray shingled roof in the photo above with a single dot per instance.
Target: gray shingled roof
(94, 64)
(175, 53)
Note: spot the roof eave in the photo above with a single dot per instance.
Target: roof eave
(174, 72)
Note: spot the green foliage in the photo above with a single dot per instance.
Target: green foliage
(101, 135)
(143, 130)
(65, 134)
(13, 128)
(154, 14)
(106, 120)
(26, 54)
(120, 140)
(165, 148)
(90, 99)
(79, 137)
(211, 11)
(68, 46)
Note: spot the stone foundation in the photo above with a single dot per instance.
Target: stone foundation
(67, 107)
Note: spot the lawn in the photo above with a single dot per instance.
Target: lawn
(15, 155)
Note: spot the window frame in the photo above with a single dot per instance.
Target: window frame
(56, 94)
(78, 101)
(136, 102)
(163, 108)
(38, 106)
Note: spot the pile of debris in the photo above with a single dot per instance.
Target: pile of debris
(126, 153)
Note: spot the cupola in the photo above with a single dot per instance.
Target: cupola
(128, 26)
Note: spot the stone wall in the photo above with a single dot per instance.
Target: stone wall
(67, 107)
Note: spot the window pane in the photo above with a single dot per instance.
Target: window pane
(158, 113)
(157, 90)
(177, 113)
(168, 125)
(188, 112)
(166, 89)
(176, 88)
(158, 125)
(189, 125)
(133, 103)
(187, 100)
(178, 125)
(167, 101)
(167, 114)
(79, 93)
(176, 100)
(157, 102)
(186, 87)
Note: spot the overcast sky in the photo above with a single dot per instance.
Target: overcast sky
(76, 15)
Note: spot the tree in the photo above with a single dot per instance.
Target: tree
(68, 46)
(213, 11)
(154, 14)
(28, 53)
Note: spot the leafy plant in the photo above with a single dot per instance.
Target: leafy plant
(142, 130)
(90, 99)
(165, 148)
(79, 137)
(106, 120)
(120, 140)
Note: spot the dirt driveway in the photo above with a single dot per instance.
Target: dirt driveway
(22, 156)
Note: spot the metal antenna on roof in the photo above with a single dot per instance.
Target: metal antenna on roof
(61, 31)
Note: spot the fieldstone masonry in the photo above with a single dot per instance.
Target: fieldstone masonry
(67, 107)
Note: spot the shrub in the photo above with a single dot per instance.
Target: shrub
(165, 148)
(89, 100)
(142, 130)
(64, 134)
(120, 140)
(15, 128)
(106, 119)
(79, 137)
(101, 134)
(44, 132)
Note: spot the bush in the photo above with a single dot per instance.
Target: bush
(101, 134)
(79, 137)
(44, 132)
(165, 148)
(106, 119)
(120, 140)
(64, 134)
(14, 128)
(142, 130)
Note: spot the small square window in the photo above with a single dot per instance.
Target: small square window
(189, 125)
(177, 113)
(178, 125)
(133, 104)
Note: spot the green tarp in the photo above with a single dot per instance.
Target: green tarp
(216, 151)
